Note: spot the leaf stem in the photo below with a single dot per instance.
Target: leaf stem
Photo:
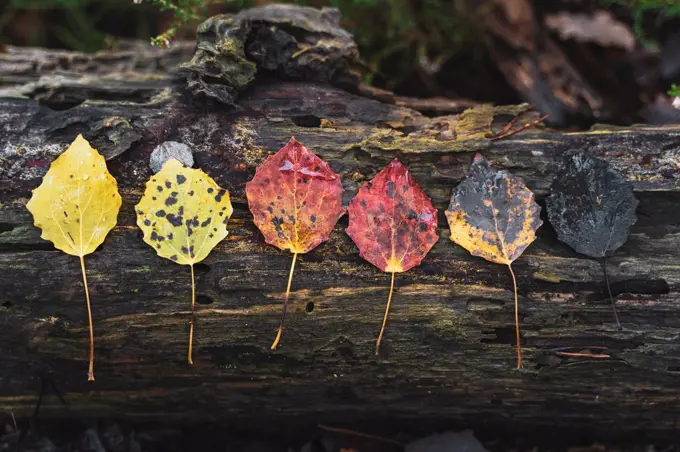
(609, 291)
(346, 431)
(90, 372)
(387, 310)
(285, 303)
(193, 316)
(519, 347)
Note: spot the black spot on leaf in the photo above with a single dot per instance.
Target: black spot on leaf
(157, 238)
(390, 189)
(174, 220)
(171, 200)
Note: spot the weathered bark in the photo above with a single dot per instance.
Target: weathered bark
(449, 346)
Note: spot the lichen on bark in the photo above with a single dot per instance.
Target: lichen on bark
(296, 43)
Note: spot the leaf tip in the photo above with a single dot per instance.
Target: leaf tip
(171, 162)
(79, 141)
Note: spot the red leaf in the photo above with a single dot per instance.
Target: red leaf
(392, 220)
(393, 223)
(295, 199)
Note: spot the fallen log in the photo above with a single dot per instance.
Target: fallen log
(448, 356)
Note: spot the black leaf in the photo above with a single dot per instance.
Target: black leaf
(591, 206)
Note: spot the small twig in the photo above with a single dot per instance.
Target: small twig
(363, 435)
(519, 129)
(584, 355)
(61, 397)
(512, 122)
(588, 347)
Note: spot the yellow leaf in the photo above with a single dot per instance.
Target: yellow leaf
(77, 203)
(183, 215)
(76, 206)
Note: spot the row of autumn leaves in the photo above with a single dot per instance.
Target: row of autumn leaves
(296, 200)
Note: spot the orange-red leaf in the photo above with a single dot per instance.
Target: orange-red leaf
(295, 198)
(392, 220)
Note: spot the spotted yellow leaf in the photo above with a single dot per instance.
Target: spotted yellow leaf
(183, 215)
(76, 206)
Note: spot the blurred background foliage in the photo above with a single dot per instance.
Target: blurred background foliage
(426, 46)
(394, 36)
(381, 26)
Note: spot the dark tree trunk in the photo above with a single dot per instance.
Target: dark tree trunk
(449, 347)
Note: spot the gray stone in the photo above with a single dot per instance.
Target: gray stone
(167, 150)
(464, 441)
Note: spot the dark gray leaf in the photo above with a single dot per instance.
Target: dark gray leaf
(591, 205)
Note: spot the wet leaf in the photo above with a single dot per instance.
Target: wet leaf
(393, 223)
(592, 208)
(183, 215)
(493, 215)
(76, 206)
(296, 200)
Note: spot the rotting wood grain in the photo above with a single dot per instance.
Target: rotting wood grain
(449, 349)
